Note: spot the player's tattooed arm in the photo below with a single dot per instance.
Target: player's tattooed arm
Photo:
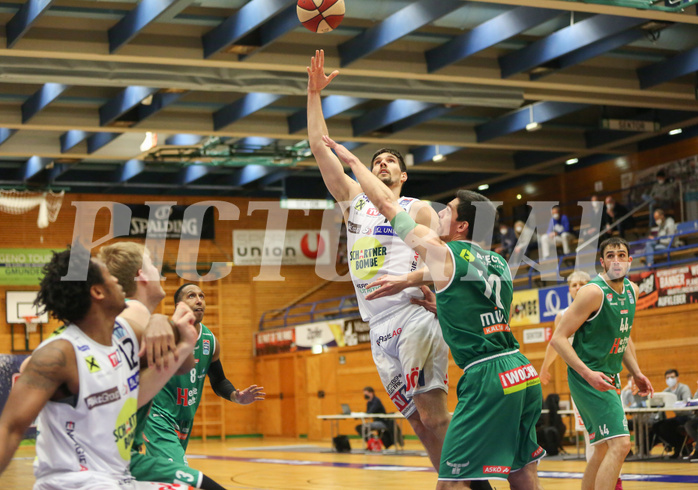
(50, 368)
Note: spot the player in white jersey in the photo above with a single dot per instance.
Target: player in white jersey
(406, 341)
(85, 382)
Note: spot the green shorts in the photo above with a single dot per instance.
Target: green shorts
(601, 411)
(493, 430)
(162, 440)
(145, 467)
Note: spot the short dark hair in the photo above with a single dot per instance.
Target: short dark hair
(466, 211)
(392, 151)
(178, 293)
(556, 206)
(369, 389)
(68, 301)
(614, 241)
(661, 173)
(675, 372)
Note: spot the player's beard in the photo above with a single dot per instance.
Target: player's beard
(387, 179)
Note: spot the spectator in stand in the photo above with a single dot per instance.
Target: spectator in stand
(373, 405)
(525, 241)
(669, 430)
(662, 195)
(660, 238)
(691, 428)
(597, 217)
(559, 233)
(613, 212)
(507, 240)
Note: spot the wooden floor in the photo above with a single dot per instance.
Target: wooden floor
(300, 464)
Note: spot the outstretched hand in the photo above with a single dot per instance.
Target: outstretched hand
(387, 286)
(317, 80)
(341, 151)
(249, 395)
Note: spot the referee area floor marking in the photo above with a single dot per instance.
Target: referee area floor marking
(658, 478)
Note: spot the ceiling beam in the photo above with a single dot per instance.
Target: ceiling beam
(332, 105)
(71, 138)
(32, 167)
(159, 102)
(249, 174)
(6, 134)
(192, 173)
(251, 16)
(282, 23)
(565, 41)
(143, 14)
(40, 99)
(487, 34)
(517, 120)
(391, 113)
(124, 101)
(184, 139)
(243, 107)
(399, 24)
(28, 13)
(99, 140)
(682, 64)
(128, 170)
(426, 153)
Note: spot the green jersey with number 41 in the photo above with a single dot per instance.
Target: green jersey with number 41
(178, 400)
(602, 340)
(474, 307)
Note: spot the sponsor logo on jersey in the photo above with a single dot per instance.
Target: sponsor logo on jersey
(609, 297)
(114, 358)
(414, 379)
(372, 211)
(133, 381)
(400, 399)
(537, 452)
(631, 297)
(125, 428)
(360, 204)
(206, 346)
(619, 345)
(394, 384)
(83, 348)
(119, 332)
(102, 398)
(79, 451)
(493, 322)
(501, 470)
(518, 379)
(405, 201)
(388, 336)
(456, 467)
(367, 230)
(384, 230)
(623, 312)
(186, 396)
(353, 227)
(366, 258)
(592, 436)
(465, 254)
(92, 364)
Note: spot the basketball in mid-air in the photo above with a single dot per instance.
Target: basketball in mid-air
(320, 15)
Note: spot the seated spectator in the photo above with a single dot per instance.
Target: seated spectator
(373, 405)
(629, 396)
(691, 428)
(559, 233)
(614, 211)
(526, 241)
(507, 240)
(599, 210)
(669, 430)
(662, 195)
(666, 227)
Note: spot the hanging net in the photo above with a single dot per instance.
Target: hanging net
(20, 202)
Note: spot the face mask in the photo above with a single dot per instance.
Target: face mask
(660, 182)
(366, 397)
(671, 382)
(659, 222)
(519, 229)
(609, 206)
(503, 231)
(556, 216)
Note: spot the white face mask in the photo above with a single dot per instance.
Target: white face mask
(503, 231)
(609, 206)
(556, 216)
(671, 382)
(660, 182)
(659, 222)
(519, 229)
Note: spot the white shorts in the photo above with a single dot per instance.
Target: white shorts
(410, 355)
(90, 480)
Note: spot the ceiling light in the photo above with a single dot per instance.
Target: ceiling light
(532, 125)
(150, 141)
(148, 100)
(438, 157)
(572, 161)
(518, 196)
(483, 187)
(675, 131)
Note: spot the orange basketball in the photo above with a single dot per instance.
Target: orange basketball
(320, 15)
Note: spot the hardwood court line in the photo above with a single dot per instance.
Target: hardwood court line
(656, 478)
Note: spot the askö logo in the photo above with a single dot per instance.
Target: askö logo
(319, 246)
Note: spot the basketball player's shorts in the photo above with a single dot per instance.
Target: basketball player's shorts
(162, 440)
(147, 468)
(601, 411)
(493, 430)
(92, 480)
(410, 355)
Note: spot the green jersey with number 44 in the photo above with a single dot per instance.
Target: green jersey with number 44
(473, 308)
(602, 340)
(178, 400)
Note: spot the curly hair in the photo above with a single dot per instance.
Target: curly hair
(67, 301)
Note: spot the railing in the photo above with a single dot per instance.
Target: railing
(324, 309)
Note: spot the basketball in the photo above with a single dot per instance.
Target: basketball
(320, 15)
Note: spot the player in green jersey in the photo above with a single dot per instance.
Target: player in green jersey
(492, 432)
(601, 319)
(172, 415)
(130, 263)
